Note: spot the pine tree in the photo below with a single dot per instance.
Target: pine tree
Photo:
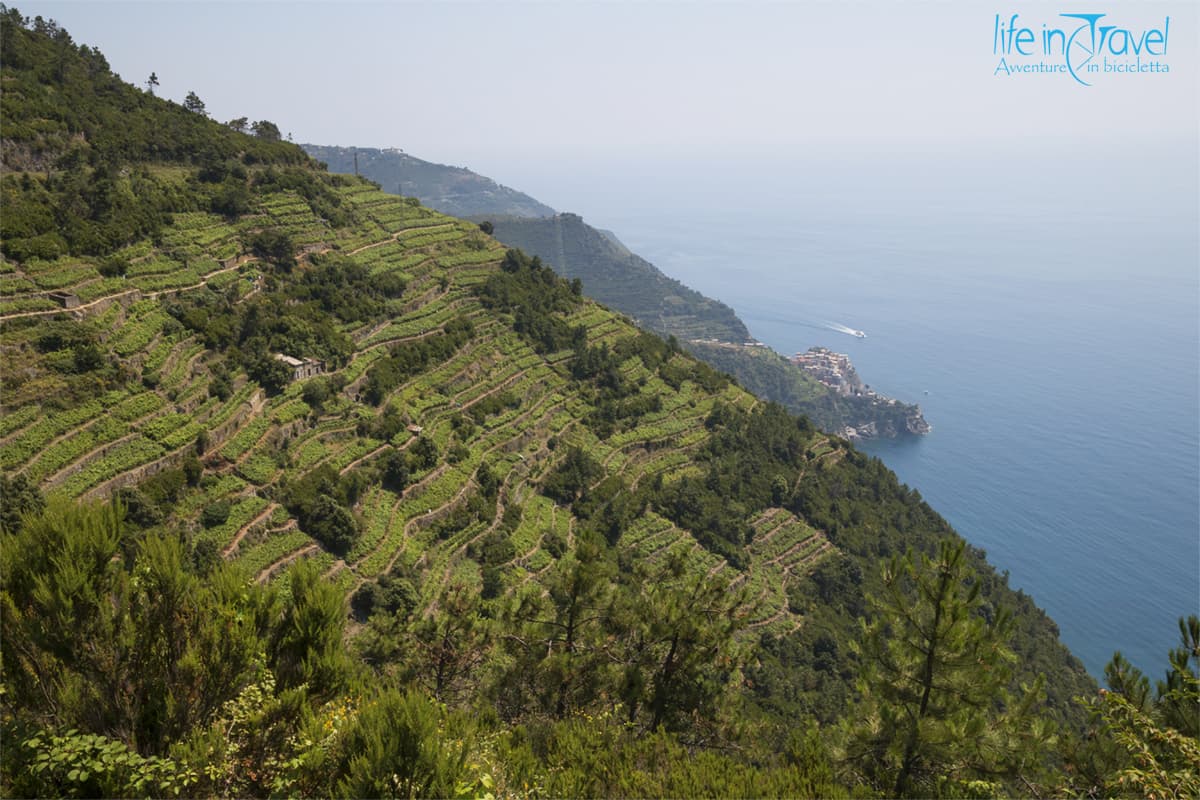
(1144, 746)
(679, 649)
(934, 716)
(1128, 680)
(63, 618)
(307, 646)
(558, 635)
(136, 648)
(194, 104)
(403, 745)
(443, 647)
(1179, 694)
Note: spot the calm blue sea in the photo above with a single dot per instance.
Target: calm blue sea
(1048, 328)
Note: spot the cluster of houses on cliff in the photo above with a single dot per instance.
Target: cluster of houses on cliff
(835, 371)
(832, 369)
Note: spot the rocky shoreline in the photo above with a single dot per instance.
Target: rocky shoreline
(914, 425)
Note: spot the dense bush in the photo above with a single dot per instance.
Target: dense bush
(537, 298)
(409, 358)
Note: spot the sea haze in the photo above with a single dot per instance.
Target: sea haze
(1044, 313)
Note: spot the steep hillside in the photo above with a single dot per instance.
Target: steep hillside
(452, 190)
(624, 281)
(620, 279)
(532, 509)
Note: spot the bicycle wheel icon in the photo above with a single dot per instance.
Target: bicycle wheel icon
(1081, 48)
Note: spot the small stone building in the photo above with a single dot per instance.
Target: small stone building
(65, 299)
(302, 367)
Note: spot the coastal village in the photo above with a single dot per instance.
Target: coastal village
(835, 371)
(832, 369)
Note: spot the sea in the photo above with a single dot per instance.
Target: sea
(1044, 311)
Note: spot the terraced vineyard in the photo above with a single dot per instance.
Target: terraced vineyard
(253, 444)
(358, 448)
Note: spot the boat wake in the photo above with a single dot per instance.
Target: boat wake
(836, 326)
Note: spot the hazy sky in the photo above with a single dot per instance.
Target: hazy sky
(495, 83)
